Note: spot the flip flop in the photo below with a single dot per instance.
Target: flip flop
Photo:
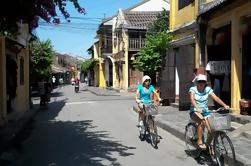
(202, 146)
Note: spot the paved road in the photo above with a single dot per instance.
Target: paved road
(84, 129)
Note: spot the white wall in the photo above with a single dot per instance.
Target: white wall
(153, 5)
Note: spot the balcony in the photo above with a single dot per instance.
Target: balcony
(106, 50)
(135, 44)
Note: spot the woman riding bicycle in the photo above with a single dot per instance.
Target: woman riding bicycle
(199, 111)
(144, 95)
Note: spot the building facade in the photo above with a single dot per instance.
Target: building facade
(182, 61)
(14, 74)
(225, 28)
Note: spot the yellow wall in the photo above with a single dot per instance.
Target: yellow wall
(183, 16)
(126, 67)
(22, 98)
(3, 106)
(102, 82)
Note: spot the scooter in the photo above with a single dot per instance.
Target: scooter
(76, 88)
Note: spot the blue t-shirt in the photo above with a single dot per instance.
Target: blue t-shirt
(145, 96)
(201, 99)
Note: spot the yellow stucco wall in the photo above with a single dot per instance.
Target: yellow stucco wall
(223, 18)
(22, 98)
(183, 16)
(3, 106)
(126, 67)
(102, 82)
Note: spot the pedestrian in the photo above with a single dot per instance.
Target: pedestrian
(53, 81)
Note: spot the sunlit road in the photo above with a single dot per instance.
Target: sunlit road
(85, 129)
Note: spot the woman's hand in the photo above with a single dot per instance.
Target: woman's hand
(226, 107)
(198, 110)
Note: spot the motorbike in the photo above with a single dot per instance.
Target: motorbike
(76, 88)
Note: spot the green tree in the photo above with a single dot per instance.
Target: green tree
(41, 57)
(88, 65)
(149, 58)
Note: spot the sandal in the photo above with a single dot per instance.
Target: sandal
(202, 146)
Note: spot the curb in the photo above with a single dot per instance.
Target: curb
(177, 133)
(100, 94)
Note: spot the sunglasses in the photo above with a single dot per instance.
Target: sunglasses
(201, 82)
(148, 80)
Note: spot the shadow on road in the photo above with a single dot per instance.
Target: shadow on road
(203, 159)
(53, 142)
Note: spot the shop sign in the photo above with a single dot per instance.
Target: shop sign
(218, 67)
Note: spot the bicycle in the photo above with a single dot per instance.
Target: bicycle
(219, 145)
(149, 125)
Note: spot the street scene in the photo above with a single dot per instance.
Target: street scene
(137, 82)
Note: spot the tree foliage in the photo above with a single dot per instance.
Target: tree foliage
(41, 57)
(149, 58)
(29, 11)
(88, 65)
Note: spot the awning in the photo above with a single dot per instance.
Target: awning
(190, 39)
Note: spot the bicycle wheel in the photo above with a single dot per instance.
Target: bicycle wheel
(142, 131)
(224, 150)
(153, 133)
(191, 141)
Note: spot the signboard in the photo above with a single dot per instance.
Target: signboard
(218, 67)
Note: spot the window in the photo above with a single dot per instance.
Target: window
(184, 3)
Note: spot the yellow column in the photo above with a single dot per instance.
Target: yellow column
(114, 81)
(102, 83)
(236, 64)
(126, 69)
(3, 99)
(197, 54)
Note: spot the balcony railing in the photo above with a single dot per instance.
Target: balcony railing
(107, 49)
(135, 44)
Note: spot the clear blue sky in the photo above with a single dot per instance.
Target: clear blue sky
(78, 35)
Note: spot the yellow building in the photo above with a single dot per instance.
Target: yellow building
(226, 36)
(183, 58)
(14, 74)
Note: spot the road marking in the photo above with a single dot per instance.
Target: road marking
(79, 102)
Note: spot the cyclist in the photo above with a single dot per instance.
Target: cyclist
(199, 111)
(144, 95)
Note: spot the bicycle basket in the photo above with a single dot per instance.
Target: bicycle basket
(151, 109)
(220, 122)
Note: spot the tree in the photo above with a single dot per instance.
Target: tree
(88, 65)
(29, 11)
(41, 57)
(149, 58)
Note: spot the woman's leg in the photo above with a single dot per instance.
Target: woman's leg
(197, 117)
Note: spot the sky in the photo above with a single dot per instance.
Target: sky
(77, 36)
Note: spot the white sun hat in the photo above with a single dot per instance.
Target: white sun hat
(146, 77)
(200, 77)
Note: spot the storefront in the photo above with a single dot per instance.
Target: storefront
(227, 53)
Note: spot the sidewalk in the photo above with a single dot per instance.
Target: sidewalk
(16, 123)
(174, 121)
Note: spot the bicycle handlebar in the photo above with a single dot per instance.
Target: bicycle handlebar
(219, 109)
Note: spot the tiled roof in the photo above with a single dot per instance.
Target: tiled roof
(211, 5)
(139, 20)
